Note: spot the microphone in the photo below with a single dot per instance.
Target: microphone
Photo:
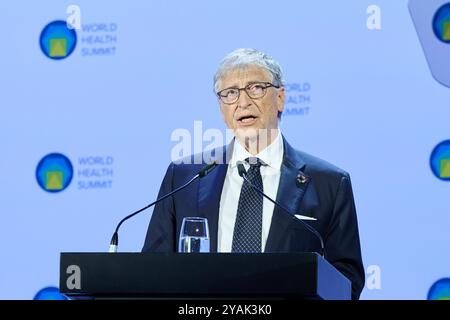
(202, 173)
(243, 173)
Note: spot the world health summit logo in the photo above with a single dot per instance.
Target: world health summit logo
(49, 293)
(441, 23)
(440, 290)
(54, 172)
(440, 160)
(57, 40)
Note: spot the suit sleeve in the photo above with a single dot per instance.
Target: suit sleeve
(342, 245)
(161, 232)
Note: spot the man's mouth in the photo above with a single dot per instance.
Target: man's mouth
(248, 119)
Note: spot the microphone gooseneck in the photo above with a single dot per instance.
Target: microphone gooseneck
(243, 173)
(202, 173)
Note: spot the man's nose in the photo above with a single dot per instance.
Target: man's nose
(244, 100)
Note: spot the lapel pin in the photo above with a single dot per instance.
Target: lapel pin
(301, 179)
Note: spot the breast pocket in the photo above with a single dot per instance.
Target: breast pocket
(301, 239)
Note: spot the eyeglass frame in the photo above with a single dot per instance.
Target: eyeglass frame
(268, 85)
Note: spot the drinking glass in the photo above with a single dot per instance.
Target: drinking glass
(194, 235)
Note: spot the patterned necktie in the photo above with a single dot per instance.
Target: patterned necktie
(248, 226)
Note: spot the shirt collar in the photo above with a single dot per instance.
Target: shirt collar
(272, 155)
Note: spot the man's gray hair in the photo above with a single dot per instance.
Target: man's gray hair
(249, 57)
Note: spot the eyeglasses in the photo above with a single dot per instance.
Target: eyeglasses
(255, 90)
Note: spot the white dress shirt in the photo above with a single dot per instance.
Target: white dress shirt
(272, 156)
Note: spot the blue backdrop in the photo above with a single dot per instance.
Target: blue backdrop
(104, 100)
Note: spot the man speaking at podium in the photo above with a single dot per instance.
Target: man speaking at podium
(249, 88)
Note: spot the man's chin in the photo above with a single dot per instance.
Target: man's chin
(247, 133)
(255, 138)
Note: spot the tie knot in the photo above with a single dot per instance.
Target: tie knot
(254, 162)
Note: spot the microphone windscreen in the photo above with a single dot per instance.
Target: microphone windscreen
(241, 168)
(207, 169)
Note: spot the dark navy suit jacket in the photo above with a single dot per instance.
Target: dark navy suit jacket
(308, 186)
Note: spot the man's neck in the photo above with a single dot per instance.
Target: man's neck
(257, 143)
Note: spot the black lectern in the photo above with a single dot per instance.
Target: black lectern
(204, 275)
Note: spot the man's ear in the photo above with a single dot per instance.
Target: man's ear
(221, 111)
(280, 99)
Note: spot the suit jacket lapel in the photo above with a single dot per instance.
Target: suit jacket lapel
(209, 194)
(291, 189)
